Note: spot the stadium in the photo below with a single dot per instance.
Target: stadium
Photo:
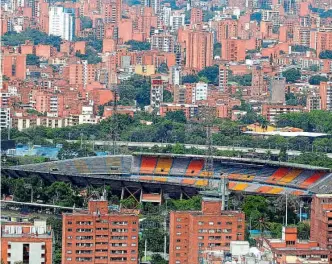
(147, 176)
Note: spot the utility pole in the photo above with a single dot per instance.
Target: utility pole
(114, 127)
(286, 209)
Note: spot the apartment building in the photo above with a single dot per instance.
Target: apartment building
(194, 232)
(14, 66)
(26, 243)
(62, 22)
(97, 236)
(156, 92)
(321, 221)
(233, 49)
(325, 92)
(223, 79)
(272, 112)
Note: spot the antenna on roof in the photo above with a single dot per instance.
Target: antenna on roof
(114, 125)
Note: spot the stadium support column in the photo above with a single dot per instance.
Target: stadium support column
(122, 194)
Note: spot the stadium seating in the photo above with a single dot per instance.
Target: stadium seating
(201, 183)
(81, 166)
(163, 166)
(275, 190)
(161, 179)
(312, 179)
(305, 174)
(280, 173)
(195, 167)
(113, 164)
(263, 189)
(136, 165)
(240, 186)
(289, 177)
(179, 166)
(148, 164)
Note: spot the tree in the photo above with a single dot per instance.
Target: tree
(32, 60)
(168, 98)
(138, 45)
(157, 259)
(60, 193)
(163, 68)
(314, 68)
(176, 116)
(316, 79)
(291, 99)
(86, 22)
(300, 48)
(211, 73)
(91, 55)
(190, 78)
(256, 17)
(326, 54)
(217, 49)
(303, 230)
(74, 150)
(254, 203)
(37, 37)
(292, 75)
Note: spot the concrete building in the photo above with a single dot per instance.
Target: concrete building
(26, 243)
(193, 232)
(271, 112)
(223, 79)
(200, 92)
(189, 110)
(62, 22)
(5, 121)
(325, 92)
(278, 90)
(82, 73)
(227, 29)
(97, 236)
(155, 4)
(176, 21)
(321, 221)
(163, 42)
(314, 102)
(156, 92)
(175, 75)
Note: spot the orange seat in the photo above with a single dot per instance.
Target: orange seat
(276, 176)
(263, 189)
(240, 186)
(194, 168)
(290, 176)
(148, 164)
(275, 190)
(188, 181)
(163, 166)
(312, 179)
(146, 178)
(201, 183)
(231, 185)
(297, 193)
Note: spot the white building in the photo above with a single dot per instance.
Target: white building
(166, 15)
(199, 92)
(175, 77)
(5, 121)
(62, 22)
(163, 42)
(155, 4)
(176, 21)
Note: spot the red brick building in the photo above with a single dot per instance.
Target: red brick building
(289, 249)
(97, 236)
(26, 242)
(321, 221)
(192, 232)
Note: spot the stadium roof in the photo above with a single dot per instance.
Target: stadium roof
(287, 134)
(249, 161)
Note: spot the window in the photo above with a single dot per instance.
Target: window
(68, 258)
(178, 233)
(178, 248)
(200, 223)
(133, 244)
(69, 229)
(178, 219)
(68, 251)
(133, 237)
(69, 237)
(134, 223)
(211, 223)
(177, 262)
(178, 240)
(200, 237)
(69, 222)
(178, 226)
(133, 251)
(69, 244)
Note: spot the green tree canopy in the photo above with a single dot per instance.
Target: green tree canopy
(326, 54)
(37, 37)
(292, 75)
(138, 45)
(86, 22)
(316, 79)
(33, 60)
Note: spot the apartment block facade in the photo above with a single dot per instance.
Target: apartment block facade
(193, 232)
(97, 236)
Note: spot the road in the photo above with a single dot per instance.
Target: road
(188, 146)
